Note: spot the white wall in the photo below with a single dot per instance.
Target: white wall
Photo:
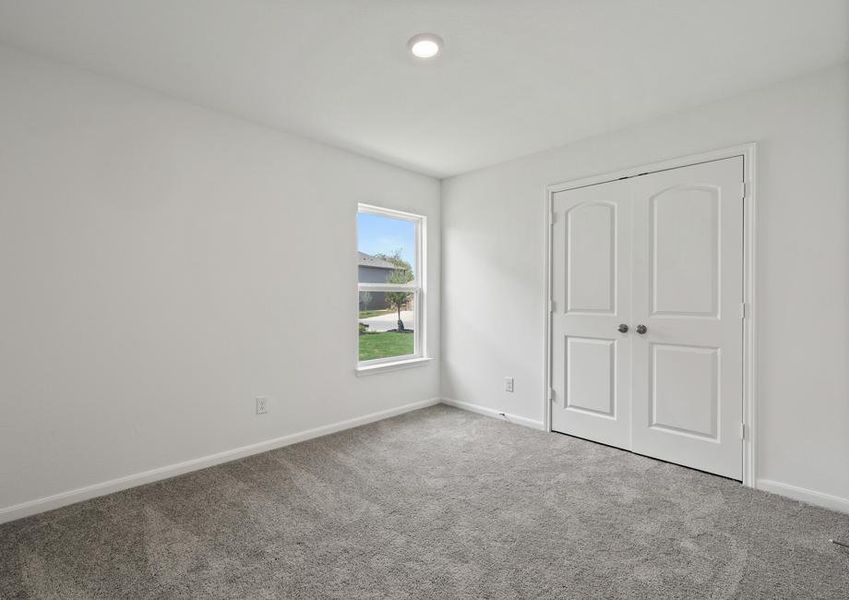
(493, 252)
(155, 262)
(154, 257)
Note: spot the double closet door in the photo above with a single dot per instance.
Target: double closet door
(646, 322)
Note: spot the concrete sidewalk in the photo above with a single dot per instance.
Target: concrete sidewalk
(390, 321)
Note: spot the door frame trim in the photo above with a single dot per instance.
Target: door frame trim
(750, 395)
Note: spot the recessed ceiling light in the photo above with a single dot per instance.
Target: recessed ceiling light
(425, 45)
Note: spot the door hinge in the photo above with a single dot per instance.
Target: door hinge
(744, 311)
(742, 431)
(553, 219)
(742, 190)
(552, 306)
(551, 394)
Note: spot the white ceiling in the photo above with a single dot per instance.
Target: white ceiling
(516, 76)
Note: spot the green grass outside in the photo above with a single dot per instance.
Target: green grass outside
(365, 314)
(384, 344)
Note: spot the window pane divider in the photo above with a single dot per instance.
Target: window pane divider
(388, 287)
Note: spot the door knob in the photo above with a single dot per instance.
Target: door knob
(641, 329)
(623, 328)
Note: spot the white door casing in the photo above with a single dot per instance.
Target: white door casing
(663, 250)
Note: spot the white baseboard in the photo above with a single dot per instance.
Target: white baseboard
(805, 495)
(495, 414)
(39, 505)
(32, 507)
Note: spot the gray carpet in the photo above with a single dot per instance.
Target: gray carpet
(433, 504)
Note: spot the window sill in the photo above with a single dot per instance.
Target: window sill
(393, 366)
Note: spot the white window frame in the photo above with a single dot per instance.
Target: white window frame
(417, 286)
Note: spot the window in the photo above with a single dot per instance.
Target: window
(390, 282)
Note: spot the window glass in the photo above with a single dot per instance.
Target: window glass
(387, 324)
(385, 244)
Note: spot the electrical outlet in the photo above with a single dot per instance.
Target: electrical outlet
(508, 384)
(261, 405)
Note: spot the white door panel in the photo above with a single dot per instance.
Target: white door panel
(591, 259)
(591, 375)
(684, 261)
(590, 289)
(665, 251)
(684, 389)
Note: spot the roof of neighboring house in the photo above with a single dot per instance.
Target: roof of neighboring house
(367, 260)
